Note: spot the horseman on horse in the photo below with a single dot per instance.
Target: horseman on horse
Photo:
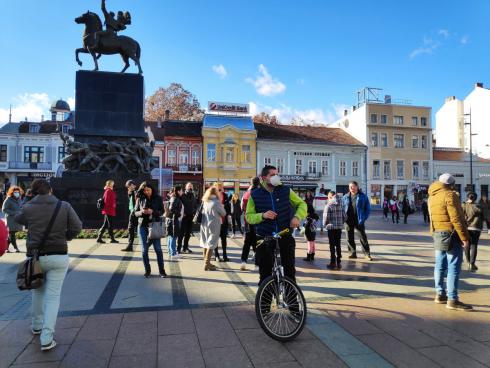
(112, 26)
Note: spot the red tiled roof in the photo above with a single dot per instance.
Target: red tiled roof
(454, 155)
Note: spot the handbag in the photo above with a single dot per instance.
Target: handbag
(29, 274)
(157, 230)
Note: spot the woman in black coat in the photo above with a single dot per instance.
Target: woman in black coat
(175, 212)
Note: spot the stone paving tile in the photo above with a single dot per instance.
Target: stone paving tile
(3, 324)
(16, 333)
(448, 357)
(8, 353)
(33, 354)
(139, 317)
(278, 365)
(227, 357)
(352, 323)
(137, 331)
(366, 361)
(38, 365)
(312, 354)
(135, 360)
(213, 329)
(242, 317)
(89, 353)
(179, 351)
(396, 352)
(100, 327)
(175, 322)
(70, 322)
(261, 348)
(147, 345)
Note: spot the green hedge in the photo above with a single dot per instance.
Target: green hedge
(87, 234)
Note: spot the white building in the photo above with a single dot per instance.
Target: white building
(451, 131)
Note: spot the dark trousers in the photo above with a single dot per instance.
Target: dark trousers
(12, 239)
(249, 241)
(385, 213)
(395, 214)
(334, 237)
(223, 234)
(265, 259)
(237, 224)
(185, 232)
(426, 217)
(471, 251)
(405, 217)
(361, 232)
(132, 228)
(107, 225)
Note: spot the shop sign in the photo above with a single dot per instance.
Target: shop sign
(214, 106)
(293, 177)
(41, 174)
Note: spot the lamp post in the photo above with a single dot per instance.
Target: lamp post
(471, 149)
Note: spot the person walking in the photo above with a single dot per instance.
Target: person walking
(309, 198)
(212, 212)
(334, 217)
(250, 236)
(176, 209)
(149, 208)
(11, 206)
(274, 207)
(405, 208)
(394, 210)
(485, 205)
(386, 209)
(236, 213)
(425, 210)
(109, 212)
(189, 202)
(357, 209)
(450, 233)
(310, 232)
(53, 254)
(474, 219)
(133, 220)
(224, 223)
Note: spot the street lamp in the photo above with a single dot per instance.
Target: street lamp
(471, 149)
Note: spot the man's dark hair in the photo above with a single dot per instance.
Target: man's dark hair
(472, 196)
(255, 182)
(130, 182)
(40, 186)
(266, 169)
(353, 182)
(332, 193)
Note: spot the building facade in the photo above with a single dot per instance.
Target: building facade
(399, 141)
(229, 149)
(178, 146)
(310, 158)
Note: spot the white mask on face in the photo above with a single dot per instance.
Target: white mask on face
(275, 180)
(16, 194)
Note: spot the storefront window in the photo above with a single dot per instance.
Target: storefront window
(375, 194)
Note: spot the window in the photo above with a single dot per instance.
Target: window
(374, 139)
(423, 122)
(384, 119)
(399, 140)
(423, 142)
(384, 140)
(398, 120)
(211, 152)
(65, 128)
(415, 120)
(387, 169)
(376, 169)
(247, 157)
(184, 158)
(415, 141)
(425, 169)
(325, 168)
(299, 167)
(33, 154)
(195, 158)
(229, 154)
(400, 169)
(312, 167)
(33, 128)
(355, 168)
(415, 170)
(267, 161)
(61, 153)
(342, 168)
(280, 165)
(374, 118)
(3, 153)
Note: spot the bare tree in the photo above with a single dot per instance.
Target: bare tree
(266, 119)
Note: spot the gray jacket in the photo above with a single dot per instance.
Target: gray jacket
(10, 208)
(36, 215)
(212, 212)
(474, 216)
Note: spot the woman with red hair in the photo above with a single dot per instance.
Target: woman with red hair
(10, 208)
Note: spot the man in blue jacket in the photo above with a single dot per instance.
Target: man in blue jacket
(357, 209)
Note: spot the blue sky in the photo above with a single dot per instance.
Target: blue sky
(291, 58)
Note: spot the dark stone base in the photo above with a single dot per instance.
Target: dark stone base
(82, 190)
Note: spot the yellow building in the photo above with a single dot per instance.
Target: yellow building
(229, 148)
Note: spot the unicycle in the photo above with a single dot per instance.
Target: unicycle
(279, 304)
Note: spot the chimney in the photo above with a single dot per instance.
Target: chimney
(167, 115)
(346, 112)
(42, 118)
(450, 98)
(479, 84)
(353, 108)
(387, 99)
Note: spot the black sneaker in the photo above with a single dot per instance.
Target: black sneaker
(100, 241)
(147, 275)
(473, 268)
(163, 274)
(440, 299)
(457, 305)
(353, 256)
(114, 241)
(332, 266)
(189, 251)
(49, 346)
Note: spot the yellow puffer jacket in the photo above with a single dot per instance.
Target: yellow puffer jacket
(446, 212)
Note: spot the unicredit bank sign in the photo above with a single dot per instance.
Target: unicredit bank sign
(228, 107)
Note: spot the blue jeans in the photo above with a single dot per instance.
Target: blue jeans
(448, 263)
(46, 299)
(172, 245)
(145, 246)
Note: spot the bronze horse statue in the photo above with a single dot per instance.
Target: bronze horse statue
(107, 45)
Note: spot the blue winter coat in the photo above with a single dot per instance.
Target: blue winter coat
(362, 204)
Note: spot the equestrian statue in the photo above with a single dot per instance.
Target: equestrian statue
(97, 41)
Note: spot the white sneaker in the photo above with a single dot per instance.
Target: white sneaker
(243, 266)
(233, 236)
(256, 268)
(49, 346)
(176, 257)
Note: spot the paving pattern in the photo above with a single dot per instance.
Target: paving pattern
(370, 314)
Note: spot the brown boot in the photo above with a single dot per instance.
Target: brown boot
(207, 262)
(204, 250)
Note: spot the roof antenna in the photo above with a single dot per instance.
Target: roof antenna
(10, 114)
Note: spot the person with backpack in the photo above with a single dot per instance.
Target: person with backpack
(310, 232)
(176, 209)
(474, 218)
(334, 218)
(133, 221)
(109, 212)
(45, 209)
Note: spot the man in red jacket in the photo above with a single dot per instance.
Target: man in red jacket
(109, 212)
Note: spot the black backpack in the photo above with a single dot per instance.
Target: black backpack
(100, 203)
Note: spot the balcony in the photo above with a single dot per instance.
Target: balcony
(30, 165)
(185, 168)
(315, 175)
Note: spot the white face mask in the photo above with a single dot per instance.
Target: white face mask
(275, 180)
(16, 194)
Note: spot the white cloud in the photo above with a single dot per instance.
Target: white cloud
(444, 33)
(464, 40)
(28, 105)
(428, 47)
(71, 102)
(265, 85)
(220, 70)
